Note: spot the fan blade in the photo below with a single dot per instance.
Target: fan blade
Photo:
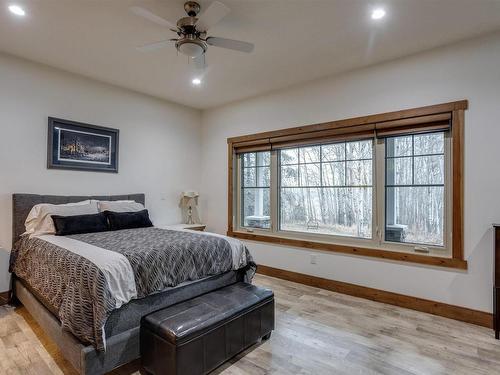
(214, 13)
(236, 45)
(152, 17)
(199, 62)
(155, 45)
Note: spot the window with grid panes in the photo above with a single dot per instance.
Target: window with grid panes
(390, 186)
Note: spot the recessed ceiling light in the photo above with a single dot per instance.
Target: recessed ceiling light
(196, 81)
(17, 10)
(378, 14)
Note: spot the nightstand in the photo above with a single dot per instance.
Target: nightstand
(199, 227)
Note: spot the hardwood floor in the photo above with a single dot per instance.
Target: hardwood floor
(317, 332)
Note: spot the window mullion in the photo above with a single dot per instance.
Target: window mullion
(413, 160)
(345, 164)
(379, 190)
(274, 193)
(321, 166)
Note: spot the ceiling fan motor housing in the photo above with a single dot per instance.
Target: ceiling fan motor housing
(187, 25)
(192, 8)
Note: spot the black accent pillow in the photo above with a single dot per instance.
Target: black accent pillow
(66, 225)
(128, 220)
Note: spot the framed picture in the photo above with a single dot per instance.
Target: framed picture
(77, 146)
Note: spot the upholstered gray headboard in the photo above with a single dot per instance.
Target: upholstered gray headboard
(23, 203)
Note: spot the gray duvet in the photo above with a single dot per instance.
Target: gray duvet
(77, 291)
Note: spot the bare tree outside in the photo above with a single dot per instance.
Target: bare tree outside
(255, 186)
(327, 189)
(415, 196)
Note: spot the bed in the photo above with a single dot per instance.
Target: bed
(121, 328)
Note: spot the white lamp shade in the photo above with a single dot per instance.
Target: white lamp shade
(190, 194)
(192, 50)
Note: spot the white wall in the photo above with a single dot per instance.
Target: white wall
(159, 141)
(470, 70)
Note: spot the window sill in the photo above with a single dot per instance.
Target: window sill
(354, 250)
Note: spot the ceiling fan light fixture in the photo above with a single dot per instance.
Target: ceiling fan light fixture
(191, 47)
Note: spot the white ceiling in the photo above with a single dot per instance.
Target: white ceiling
(295, 41)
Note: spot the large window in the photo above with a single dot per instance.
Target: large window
(382, 188)
(327, 189)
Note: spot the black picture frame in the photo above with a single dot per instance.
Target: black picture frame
(83, 147)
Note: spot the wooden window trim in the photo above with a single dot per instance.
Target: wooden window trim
(262, 140)
(357, 121)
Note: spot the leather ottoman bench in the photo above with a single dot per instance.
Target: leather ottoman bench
(196, 336)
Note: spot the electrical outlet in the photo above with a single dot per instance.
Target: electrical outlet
(313, 258)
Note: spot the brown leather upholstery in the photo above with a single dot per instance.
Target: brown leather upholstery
(196, 336)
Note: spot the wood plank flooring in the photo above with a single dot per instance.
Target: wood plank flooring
(317, 332)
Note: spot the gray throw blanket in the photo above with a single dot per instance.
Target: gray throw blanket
(76, 290)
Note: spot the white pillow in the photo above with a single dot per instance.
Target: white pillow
(120, 206)
(39, 220)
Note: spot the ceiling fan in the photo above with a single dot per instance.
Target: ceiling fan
(192, 30)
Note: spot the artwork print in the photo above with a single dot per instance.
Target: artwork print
(81, 146)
